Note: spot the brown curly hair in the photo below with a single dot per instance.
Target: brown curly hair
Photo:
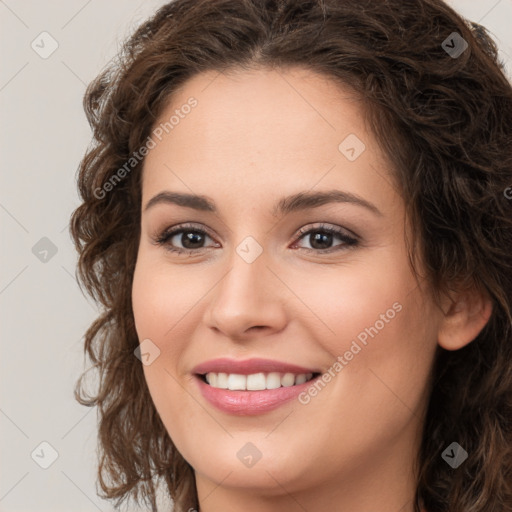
(445, 123)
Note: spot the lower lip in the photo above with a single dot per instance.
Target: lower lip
(250, 403)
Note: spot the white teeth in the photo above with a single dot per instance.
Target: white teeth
(273, 380)
(236, 381)
(222, 381)
(255, 381)
(288, 379)
(212, 379)
(300, 379)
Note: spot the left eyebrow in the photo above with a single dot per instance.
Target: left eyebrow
(305, 200)
(286, 205)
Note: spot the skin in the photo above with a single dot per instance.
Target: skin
(254, 137)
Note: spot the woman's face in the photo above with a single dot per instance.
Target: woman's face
(267, 281)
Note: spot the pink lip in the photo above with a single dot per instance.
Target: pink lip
(250, 403)
(248, 366)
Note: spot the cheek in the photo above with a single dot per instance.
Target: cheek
(386, 379)
(351, 303)
(386, 360)
(162, 299)
(385, 332)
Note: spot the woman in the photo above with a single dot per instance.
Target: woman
(296, 217)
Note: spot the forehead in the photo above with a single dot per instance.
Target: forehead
(251, 103)
(260, 129)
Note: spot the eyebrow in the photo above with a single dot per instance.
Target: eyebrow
(286, 205)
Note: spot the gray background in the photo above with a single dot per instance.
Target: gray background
(44, 134)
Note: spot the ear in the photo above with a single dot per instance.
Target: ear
(465, 314)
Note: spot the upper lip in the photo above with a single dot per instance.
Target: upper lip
(249, 366)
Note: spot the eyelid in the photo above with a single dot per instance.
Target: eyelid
(323, 226)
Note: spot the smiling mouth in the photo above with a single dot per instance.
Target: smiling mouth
(255, 381)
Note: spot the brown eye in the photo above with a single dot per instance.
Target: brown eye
(321, 238)
(191, 239)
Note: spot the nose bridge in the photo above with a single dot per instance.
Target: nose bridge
(247, 280)
(245, 297)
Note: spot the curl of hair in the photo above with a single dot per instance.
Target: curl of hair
(446, 126)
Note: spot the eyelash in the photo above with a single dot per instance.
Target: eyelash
(164, 237)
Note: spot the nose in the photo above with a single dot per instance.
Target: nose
(248, 300)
